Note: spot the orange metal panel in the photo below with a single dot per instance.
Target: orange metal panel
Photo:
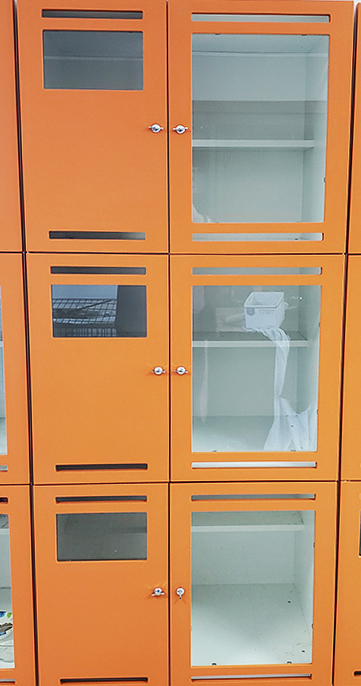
(10, 226)
(101, 614)
(355, 197)
(16, 458)
(340, 30)
(15, 502)
(326, 455)
(324, 504)
(348, 633)
(350, 458)
(90, 161)
(96, 401)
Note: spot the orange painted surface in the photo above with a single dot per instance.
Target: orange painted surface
(96, 400)
(355, 197)
(340, 30)
(17, 508)
(101, 615)
(16, 458)
(326, 455)
(350, 455)
(90, 161)
(348, 632)
(324, 505)
(10, 227)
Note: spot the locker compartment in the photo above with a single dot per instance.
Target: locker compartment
(99, 355)
(265, 81)
(249, 589)
(10, 222)
(14, 449)
(16, 611)
(93, 84)
(101, 555)
(256, 364)
(354, 245)
(348, 634)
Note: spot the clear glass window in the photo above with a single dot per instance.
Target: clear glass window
(93, 60)
(252, 587)
(99, 311)
(6, 610)
(102, 536)
(259, 127)
(255, 368)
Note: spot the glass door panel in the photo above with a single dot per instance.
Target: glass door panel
(255, 368)
(252, 587)
(6, 609)
(259, 127)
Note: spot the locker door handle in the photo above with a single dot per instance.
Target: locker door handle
(180, 592)
(181, 371)
(180, 128)
(156, 128)
(158, 591)
(158, 371)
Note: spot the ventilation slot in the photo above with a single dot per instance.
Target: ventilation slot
(278, 18)
(4, 500)
(3, 468)
(239, 271)
(120, 680)
(256, 237)
(257, 496)
(97, 467)
(101, 499)
(98, 270)
(254, 465)
(252, 676)
(86, 14)
(98, 235)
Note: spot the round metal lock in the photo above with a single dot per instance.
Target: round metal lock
(180, 592)
(181, 371)
(158, 591)
(180, 128)
(156, 128)
(158, 371)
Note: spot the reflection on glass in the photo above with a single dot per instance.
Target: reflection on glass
(99, 311)
(102, 536)
(259, 127)
(6, 610)
(252, 587)
(255, 368)
(3, 440)
(93, 60)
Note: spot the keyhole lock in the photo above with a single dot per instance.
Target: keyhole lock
(181, 371)
(158, 591)
(180, 128)
(156, 128)
(158, 371)
(180, 592)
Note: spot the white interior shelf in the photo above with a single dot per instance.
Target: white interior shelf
(246, 340)
(248, 624)
(275, 144)
(229, 522)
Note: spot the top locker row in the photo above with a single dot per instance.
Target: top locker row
(258, 129)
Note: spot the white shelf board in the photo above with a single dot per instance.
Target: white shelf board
(232, 522)
(246, 340)
(248, 624)
(275, 144)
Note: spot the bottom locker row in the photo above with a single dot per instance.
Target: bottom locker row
(251, 587)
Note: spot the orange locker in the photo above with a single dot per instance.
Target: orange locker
(355, 197)
(16, 605)
(255, 367)
(99, 359)
(252, 573)
(101, 554)
(259, 153)
(348, 633)
(93, 103)
(14, 450)
(10, 225)
(350, 458)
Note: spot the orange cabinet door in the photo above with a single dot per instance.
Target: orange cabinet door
(10, 225)
(252, 572)
(255, 367)
(101, 555)
(16, 603)
(14, 448)
(355, 199)
(259, 125)
(350, 458)
(99, 361)
(348, 632)
(92, 83)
